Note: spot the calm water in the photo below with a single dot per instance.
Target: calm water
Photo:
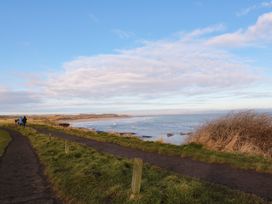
(155, 126)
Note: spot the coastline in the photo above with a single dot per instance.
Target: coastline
(141, 128)
(85, 119)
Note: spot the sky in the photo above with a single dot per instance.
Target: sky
(82, 56)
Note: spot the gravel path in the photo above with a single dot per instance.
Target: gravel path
(21, 178)
(244, 180)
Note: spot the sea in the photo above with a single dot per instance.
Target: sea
(172, 129)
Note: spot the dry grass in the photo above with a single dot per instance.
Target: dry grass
(245, 132)
(53, 119)
(161, 140)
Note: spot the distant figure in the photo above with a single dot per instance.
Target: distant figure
(20, 121)
(24, 121)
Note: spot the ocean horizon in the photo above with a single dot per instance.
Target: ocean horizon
(172, 129)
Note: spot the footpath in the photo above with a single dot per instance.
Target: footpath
(21, 177)
(244, 180)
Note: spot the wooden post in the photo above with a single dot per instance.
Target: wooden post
(66, 147)
(50, 137)
(136, 177)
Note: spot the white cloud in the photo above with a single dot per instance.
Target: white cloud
(245, 11)
(191, 71)
(267, 4)
(11, 98)
(203, 31)
(122, 33)
(158, 69)
(257, 34)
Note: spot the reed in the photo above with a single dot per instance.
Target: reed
(245, 132)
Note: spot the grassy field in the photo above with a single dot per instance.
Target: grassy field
(4, 140)
(86, 176)
(193, 150)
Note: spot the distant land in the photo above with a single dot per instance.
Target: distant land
(65, 117)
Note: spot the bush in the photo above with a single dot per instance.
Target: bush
(246, 132)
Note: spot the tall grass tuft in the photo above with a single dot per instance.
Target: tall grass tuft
(245, 132)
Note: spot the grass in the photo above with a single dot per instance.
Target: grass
(87, 176)
(244, 132)
(193, 150)
(4, 140)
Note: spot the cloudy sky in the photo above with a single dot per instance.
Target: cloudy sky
(135, 56)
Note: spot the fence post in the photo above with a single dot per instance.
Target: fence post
(136, 177)
(50, 137)
(66, 148)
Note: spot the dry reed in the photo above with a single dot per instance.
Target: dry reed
(245, 132)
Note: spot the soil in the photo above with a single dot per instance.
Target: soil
(248, 181)
(21, 175)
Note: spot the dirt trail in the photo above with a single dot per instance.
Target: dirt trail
(243, 180)
(21, 178)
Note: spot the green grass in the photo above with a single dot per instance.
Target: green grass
(4, 140)
(194, 151)
(87, 176)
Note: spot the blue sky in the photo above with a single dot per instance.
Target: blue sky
(134, 56)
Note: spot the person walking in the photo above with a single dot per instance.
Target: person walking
(24, 121)
(20, 121)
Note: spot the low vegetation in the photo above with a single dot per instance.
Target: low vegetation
(86, 176)
(244, 132)
(193, 150)
(55, 119)
(4, 140)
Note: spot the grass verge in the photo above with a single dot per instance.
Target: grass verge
(193, 150)
(86, 176)
(4, 140)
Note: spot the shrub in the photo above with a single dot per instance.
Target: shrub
(246, 132)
